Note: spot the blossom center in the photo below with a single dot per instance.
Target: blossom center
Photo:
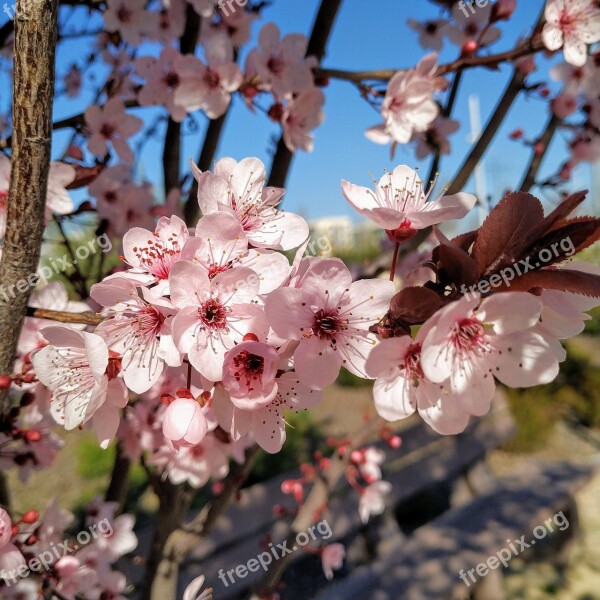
(412, 362)
(275, 65)
(158, 256)
(468, 334)
(327, 324)
(213, 314)
(212, 79)
(248, 366)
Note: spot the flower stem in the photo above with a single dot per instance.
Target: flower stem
(394, 260)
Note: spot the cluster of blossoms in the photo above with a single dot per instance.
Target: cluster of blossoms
(41, 551)
(183, 83)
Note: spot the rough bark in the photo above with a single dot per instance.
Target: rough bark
(33, 91)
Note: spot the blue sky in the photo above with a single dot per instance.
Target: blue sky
(367, 35)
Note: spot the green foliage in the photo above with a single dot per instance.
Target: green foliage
(347, 379)
(92, 461)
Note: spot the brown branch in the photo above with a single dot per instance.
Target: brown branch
(183, 540)
(512, 91)
(119, 479)
(318, 499)
(83, 318)
(33, 91)
(491, 61)
(537, 157)
(317, 44)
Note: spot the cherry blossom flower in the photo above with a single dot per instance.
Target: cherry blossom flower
(372, 499)
(110, 188)
(470, 345)
(408, 105)
(130, 18)
(400, 205)
(435, 138)
(205, 8)
(280, 63)
(249, 372)
(220, 244)
(234, 23)
(161, 81)
(194, 465)
(330, 316)
(430, 32)
(169, 23)
(209, 86)
(184, 423)
(152, 255)
(564, 104)
(572, 24)
(469, 22)
(302, 115)
(192, 591)
(73, 366)
(139, 332)
(332, 559)
(401, 387)
(266, 423)
(111, 124)
(368, 461)
(10, 556)
(237, 188)
(215, 314)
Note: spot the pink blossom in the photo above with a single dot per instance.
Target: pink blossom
(430, 32)
(161, 81)
(401, 387)
(369, 461)
(237, 188)
(470, 345)
(215, 314)
(106, 420)
(279, 63)
(169, 23)
(332, 559)
(408, 106)
(372, 499)
(220, 244)
(139, 332)
(209, 86)
(205, 8)
(184, 424)
(10, 556)
(572, 24)
(265, 423)
(585, 147)
(435, 139)
(249, 372)
(73, 366)
(234, 22)
(400, 205)
(330, 316)
(130, 18)
(469, 22)
(301, 115)
(194, 465)
(111, 124)
(564, 104)
(151, 255)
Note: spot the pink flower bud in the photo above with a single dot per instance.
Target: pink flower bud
(184, 424)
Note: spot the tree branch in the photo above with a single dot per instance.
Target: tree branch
(183, 540)
(83, 318)
(537, 157)
(33, 91)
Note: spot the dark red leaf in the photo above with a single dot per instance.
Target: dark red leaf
(566, 280)
(454, 265)
(506, 229)
(415, 305)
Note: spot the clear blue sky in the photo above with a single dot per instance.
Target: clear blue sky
(367, 35)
